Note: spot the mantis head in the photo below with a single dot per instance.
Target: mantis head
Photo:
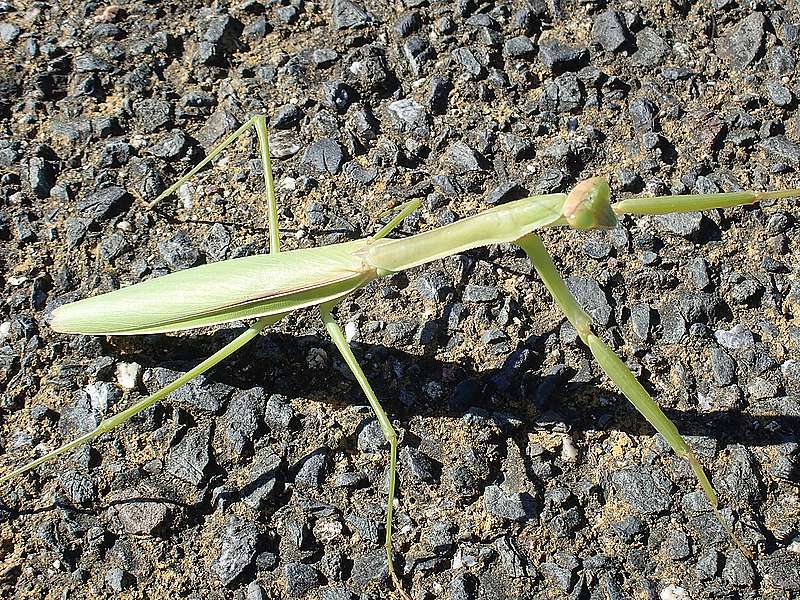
(587, 205)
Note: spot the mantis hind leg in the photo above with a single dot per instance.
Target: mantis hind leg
(121, 417)
(260, 124)
(269, 184)
(211, 156)
(386, 427)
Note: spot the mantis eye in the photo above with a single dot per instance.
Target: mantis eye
(587, 205)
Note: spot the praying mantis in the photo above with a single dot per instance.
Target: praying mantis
(268, 287)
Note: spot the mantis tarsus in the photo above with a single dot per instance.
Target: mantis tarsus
(268, 287)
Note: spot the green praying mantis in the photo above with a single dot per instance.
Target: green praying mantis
(268, 287)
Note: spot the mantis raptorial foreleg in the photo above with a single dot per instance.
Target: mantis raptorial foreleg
(383, 420)
(608, 360)
(617, 371)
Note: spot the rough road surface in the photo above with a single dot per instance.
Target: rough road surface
(523, 474)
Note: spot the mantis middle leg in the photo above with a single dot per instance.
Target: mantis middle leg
(386, 427)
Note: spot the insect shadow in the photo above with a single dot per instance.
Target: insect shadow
(519, 388)
(518, 397)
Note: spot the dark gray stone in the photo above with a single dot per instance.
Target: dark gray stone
(78, 488)
(643, 114)
(336, 593)
(283, 144)
(115, 154)
(113, 246)
(463, 587)
(370, 436)
(562, 573)
(505, 192)
(518, 47)
(407, 24)
(237, 551)
(432, 285)
(242, 419)
(287, 14)
(779, 94)
(673, 324)
(707, 567)
(640, 321)
(337, 95)
(630, 529)
(474, 292)
(310, 470)
(368, 529)
(559, 57)
(179, 252)
(597, 246)
(9, 32)
(401, 332)
(562, 95)
(300, 579)
(698, 273)
(646, 490)
(369, 567)
(783, 148)
(739, 478)
(264, 479)
(781, 571)
(744, 42)
(438, 93)
(684, 224)
(782, 61)
(103, 203)
(508, 505)
(469, 63)
(420, 465)
(463, 159)
(676, 545)
(723, 367)
(198, 393)
(347, 14)
(221, 123)
(286, 116)
(592, 298)
(651, 49)
(152, 114)
(737, 570)
(171, 147)
(324, 57)
(117, 580)
(324, 156)
(278, 414)
(609, 31)
(41, 175)
(518, 147)
(190, 457)
(418, 53)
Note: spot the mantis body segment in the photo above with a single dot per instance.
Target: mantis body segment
(268, 287)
